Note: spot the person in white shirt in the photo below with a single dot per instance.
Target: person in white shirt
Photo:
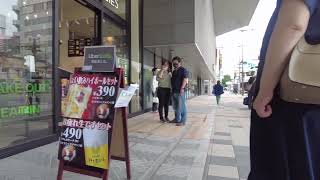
(155, 100)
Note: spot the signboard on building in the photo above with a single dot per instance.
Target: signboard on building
(117, 6)
(99, 59)
(113, 3)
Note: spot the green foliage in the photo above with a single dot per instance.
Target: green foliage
(226, 78)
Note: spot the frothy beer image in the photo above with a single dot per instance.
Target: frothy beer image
(96, 147)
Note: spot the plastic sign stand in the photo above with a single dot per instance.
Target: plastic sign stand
(118, 148)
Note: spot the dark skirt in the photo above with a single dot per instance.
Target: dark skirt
(286, 146)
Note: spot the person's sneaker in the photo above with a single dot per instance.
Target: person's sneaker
(162, 120)
(180, 124)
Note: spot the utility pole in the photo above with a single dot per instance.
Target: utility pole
(242, 62)
(239, 66)
(242, 73)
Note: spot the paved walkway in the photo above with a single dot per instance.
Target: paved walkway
(228, 157)
(212, 146)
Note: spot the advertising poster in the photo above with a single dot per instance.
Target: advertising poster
(88, 119)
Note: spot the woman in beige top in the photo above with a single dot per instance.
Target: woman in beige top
(164, 90)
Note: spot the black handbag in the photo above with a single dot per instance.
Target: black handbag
(246, 101)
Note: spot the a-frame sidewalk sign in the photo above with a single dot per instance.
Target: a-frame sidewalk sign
(93, 131)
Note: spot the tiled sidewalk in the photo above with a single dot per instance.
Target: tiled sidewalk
(213, 145)
(157, 151)
(228, 157)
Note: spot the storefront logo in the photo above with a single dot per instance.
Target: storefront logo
(99, 56)
(113, 3)
(18, 88)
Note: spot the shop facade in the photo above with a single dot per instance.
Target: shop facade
(41, 42)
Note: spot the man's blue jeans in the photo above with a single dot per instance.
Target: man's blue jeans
(179, 105)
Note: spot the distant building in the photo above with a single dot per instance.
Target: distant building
(2, 32)
(2, 24)
(34, 26)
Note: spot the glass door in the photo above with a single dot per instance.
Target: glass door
(77, 30)
(112, 34)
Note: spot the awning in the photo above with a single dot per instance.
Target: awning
(232, 14)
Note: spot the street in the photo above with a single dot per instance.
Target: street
(214, 145)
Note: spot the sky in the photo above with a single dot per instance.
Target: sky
(231, 43)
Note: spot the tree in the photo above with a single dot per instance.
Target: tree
(226, 78)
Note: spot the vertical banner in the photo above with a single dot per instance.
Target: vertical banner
(88, 119)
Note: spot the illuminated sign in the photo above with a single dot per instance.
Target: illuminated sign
(23, 110)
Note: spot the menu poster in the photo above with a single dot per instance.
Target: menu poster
(76, 46)
(126, 96)
(88, 119)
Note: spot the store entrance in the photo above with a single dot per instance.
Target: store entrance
(77, 28)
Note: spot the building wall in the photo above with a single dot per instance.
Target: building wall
(205, 38)
(168, 22)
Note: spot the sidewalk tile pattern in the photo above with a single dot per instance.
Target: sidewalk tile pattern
(228, 158)
(212, 146)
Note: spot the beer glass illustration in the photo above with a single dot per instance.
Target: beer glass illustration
(96, 147)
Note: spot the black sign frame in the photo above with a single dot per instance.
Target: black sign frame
(99, 59)
(121, 145)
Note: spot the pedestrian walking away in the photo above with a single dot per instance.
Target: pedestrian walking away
(284, 137)
(179, 82)
(218, 91)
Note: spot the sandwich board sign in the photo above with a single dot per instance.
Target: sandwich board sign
(93, 131)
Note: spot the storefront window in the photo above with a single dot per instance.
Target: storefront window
(115, 35)
(148, 59)
(25, 71)
(77, 30)
(116, 6)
